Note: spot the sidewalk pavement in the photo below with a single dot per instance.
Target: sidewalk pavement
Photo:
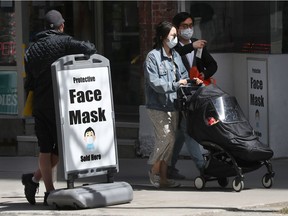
(253, 200)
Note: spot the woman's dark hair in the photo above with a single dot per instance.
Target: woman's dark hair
(162, 31)
(181, 17)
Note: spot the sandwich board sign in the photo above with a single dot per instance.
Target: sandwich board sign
(85, 115)
(258, 97)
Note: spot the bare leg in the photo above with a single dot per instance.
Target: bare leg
(46, 163)
(38, 175)
(163, 172)
(156, 168)
(54, 162)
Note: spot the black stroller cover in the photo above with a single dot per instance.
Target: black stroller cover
(213, 115)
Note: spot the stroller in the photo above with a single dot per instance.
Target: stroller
(215, 120)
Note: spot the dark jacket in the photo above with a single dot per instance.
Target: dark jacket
(50, 45)
(207, 65)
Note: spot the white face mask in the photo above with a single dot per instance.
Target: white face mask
(186, 33)
(172, 43)
(90, 140)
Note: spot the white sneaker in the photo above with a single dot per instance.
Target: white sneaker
(154, 179)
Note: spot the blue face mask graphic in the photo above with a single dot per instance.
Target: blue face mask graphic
(89, 140)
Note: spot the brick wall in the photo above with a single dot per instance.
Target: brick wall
(150, 14)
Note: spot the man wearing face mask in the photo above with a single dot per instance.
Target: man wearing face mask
(193, 53)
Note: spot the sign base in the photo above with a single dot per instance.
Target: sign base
(91, 196)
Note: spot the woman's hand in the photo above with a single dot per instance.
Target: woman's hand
(183, 82)
(198, 81)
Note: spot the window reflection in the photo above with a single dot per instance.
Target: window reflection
(241, 26)
(7, 34)
(122, 48)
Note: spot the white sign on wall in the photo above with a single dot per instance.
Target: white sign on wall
(258, 98)
(87, 118)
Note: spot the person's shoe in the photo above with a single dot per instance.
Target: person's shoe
(154, 179)
(30, 187)
(170, 184)
(173, 173)
(46, 194)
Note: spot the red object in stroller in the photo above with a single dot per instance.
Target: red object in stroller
(216, 121)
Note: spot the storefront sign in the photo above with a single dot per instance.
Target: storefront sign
(258, 99)
(7, 48)
(8, 93)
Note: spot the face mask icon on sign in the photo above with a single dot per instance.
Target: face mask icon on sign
(89, 138)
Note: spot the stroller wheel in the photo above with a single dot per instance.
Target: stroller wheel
(223, 182)
(267, 181)
(199, 182)
(238, 185)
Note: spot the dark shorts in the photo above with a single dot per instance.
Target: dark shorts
(46, 131)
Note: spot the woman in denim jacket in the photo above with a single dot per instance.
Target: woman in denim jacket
(164, 73)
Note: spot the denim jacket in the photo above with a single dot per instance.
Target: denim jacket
(161, 79)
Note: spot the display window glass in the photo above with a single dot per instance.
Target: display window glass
(241, 26)
(7, 34)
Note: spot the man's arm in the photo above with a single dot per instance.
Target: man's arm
(206, 64)
(188, 48)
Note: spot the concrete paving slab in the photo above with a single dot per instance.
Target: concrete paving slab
(186, 200)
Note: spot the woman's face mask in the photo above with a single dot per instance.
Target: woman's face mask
(186, 33)
(172, 42)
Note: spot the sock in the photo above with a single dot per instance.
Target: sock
(35, 180)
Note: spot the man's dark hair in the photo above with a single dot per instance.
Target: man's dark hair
(181, 17)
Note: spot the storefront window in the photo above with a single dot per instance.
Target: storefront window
(7, 34)
(36, 11)
(241, 26)
(122, 48)
(8, 92)
(121, 43)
